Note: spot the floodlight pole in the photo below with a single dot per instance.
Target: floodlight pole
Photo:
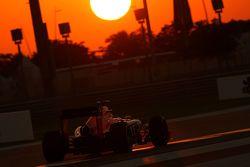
(65, 31)
(19, 49)
(150, 36)
(205, 10)
(70, 66)
(55, 21)
(17, 38)
(218, 8)
(140, 15)
(22, 69)
(143, 34)
(219, 17)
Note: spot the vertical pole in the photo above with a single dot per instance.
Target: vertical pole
(38, 25)
(219, 16)
(70, 68)
(146, 52)
(205, 10)
(19, 50)
(144, 36)
(42, 44)
(22, 70)
(55, 24)
(150, 37)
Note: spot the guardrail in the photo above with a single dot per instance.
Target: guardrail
(46, 112)
(195, 86)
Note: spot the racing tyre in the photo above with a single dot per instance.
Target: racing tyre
(158, 131)
(54, 146)
(120, 138)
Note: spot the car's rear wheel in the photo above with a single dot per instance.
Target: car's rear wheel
(158, 131)
(120, 138)
(55, 145)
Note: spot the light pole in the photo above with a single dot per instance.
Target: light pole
(65, 31)
(205, 10)
(151, 42)
(55, 15)
(218, 8)
(150, 36)
(141, 16)
(17, 37)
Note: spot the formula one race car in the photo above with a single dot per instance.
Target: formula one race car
(102, 132)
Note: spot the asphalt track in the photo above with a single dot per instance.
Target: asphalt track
(194, 152)
(200, 140)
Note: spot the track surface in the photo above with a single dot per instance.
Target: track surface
(197, 140)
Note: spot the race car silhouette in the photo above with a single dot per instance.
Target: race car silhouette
(102, 132)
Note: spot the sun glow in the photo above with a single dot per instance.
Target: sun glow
(110, 9)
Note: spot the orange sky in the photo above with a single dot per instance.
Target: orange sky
(85, 26)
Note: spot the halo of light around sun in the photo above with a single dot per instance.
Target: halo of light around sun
(110, 9)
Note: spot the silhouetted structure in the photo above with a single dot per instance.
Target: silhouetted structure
(205, 10)
(65, 31)
(17, 37)
(140, 15)
(218, 8)
(182, 15)
(43, 46)
(149, 30)
(182, 21)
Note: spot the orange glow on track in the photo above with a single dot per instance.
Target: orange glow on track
(92, 30)
(215, 135)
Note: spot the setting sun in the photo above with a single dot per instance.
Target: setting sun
(110, 9)
(87, 27)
